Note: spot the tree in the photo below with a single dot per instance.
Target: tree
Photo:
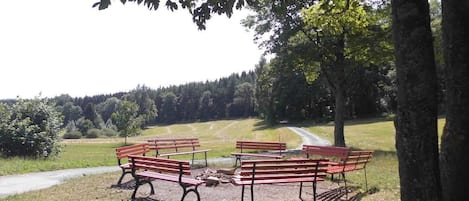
(29, 128)
(147, 108)
(455, 139)
(244, 98)
(416, 128)
(126, 119)
(106, 108)
(71, 112)
(206, 106)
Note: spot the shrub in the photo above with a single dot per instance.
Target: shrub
(72, 135)
(29, 128)
(93, 133)
(109, 132)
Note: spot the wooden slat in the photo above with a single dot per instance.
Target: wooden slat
(173, 178)
(138, 149)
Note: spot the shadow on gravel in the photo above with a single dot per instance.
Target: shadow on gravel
(129, 185)
(340, 194)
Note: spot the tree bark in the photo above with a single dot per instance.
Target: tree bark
(339, 93)
(455, 139)
(416, 125)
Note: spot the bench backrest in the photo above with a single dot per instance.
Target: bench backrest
(137, 149)
(282, 169)
(159, 165)
(270, 146)
(175, 144)
(326, 151)
(357, 160)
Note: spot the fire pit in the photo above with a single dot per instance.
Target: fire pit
(215, 177)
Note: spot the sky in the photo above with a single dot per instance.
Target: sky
(54, 47)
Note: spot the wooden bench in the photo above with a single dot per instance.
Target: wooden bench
(146, 169)
(262, 146)
(333, 153)
(274, 171)
(355, 160)
(124, 152)
(177, 146)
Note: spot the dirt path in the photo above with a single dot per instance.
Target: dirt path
(309, 138)
(15, 184)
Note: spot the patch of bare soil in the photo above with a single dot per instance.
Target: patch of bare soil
(169, 191)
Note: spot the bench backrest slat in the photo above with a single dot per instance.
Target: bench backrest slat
(326, 151)
(282, 169)
(173, 143)
(357, 159)
(271, 146)
(160, 164)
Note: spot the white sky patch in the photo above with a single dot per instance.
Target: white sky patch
(65, 46)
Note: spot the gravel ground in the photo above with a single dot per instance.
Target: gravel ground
(169, 191)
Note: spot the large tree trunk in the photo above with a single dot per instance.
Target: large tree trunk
(455, 139)
(339, 93)
(416, 128)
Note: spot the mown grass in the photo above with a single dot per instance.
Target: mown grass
(73, 156)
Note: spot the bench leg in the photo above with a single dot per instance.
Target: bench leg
(238, 158)
(345, 182)
(301, 188)
(138, 183)
(206, 164)
(242, 193)
(193, 158)
(122, 176)
(314, 190)
(252, 192)
(366, 182)
(194, 190)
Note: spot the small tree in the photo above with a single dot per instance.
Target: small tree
(126, 118)
(29, 128)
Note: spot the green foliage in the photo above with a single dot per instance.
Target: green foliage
(126, 119)
(72, 135)
(93, 133)
(84, 125)
(29, 128)
(109, 132)
(146, 105)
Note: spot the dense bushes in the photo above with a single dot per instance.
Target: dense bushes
(29, 128)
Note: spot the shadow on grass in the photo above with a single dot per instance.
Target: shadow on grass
(378, 153)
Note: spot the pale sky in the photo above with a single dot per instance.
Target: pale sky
(58, 47)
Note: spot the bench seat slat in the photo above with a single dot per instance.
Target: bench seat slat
(257, 155)
(185, 152)
(173, 178)
(275, 181)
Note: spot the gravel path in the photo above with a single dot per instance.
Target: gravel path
(15, 184)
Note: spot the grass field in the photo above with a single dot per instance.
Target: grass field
(219, 136)
(374, 134)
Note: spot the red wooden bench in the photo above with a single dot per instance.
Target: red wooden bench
(146, 169)
(124, 152)
(166, 147)
(274, 171)
(333, 153)
(355, 160)
(259, 146)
